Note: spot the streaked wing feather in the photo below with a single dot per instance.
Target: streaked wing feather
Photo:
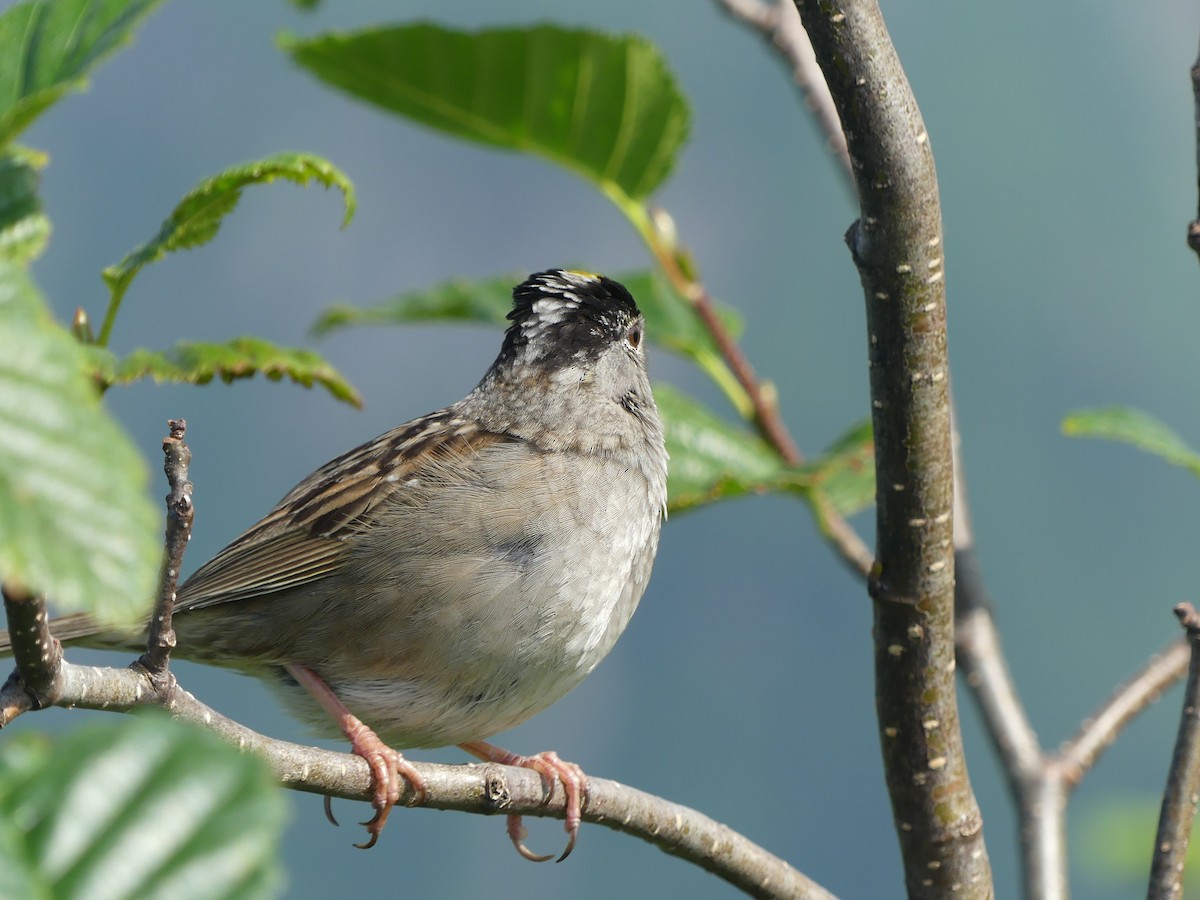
(305, 536)
(248, 569)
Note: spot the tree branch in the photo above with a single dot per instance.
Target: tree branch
(485, 789)
(1183, 782)
(897, 246)
(1098, 732)
(1193, 232)
(1034, 781)
(779, 25)
(180, 512)
(34, 683)
(1040, 782)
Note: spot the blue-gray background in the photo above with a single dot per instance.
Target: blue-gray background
(1065, 147)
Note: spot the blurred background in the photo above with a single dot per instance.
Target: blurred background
(1065, 144)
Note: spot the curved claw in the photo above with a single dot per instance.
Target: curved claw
(373, 830)
(570, 844)
(329, 811)
(387, 769)
(517, 834)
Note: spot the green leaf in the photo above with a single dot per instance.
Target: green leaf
(198, 216)
(606, 107)
(711, 459)
(1117, 835)
(669, 317)
(194, 362)
(144, 807)
(846, 472)
(24, 228)
(1132, 426)
(47, 49)
(487, 300)
(714, 460)
(75, 522)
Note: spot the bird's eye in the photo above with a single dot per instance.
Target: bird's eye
(634, 336)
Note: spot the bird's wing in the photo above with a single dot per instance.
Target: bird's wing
(305, 537)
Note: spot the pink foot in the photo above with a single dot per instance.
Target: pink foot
(551, 769)
(388, 767)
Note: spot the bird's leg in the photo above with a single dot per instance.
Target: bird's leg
(552, 769)
(387, 765)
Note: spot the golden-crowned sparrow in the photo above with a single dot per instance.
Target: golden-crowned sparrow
(460, 573)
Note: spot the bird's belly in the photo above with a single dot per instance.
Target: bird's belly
(489, 677)
(484, 659)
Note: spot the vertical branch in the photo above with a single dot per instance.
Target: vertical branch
(897, 246)
(161, 639)
(36, 681)
(1042, 827)
(1183, 781)
(1035, 782)
(1193, 232)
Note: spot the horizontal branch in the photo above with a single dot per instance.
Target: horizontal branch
(474, 788)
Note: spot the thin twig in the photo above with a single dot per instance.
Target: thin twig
(780, 26)
(840, 533)
(983, 666)
(1034, 781)
(1183, 782)
(180, 512)
(766, 412)
(1193, 232)
(34, 683)
(1098, 732)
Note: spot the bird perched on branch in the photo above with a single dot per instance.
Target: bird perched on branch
(463, 571)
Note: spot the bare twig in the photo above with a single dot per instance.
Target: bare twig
(1183, 782)
(34, 683)
(983, 666)
(897, 247)
(840, 534)
(766, 412)
(1193, 232)
(161, 639)
(779, 24)
(1098, 732)
(1034, 781)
